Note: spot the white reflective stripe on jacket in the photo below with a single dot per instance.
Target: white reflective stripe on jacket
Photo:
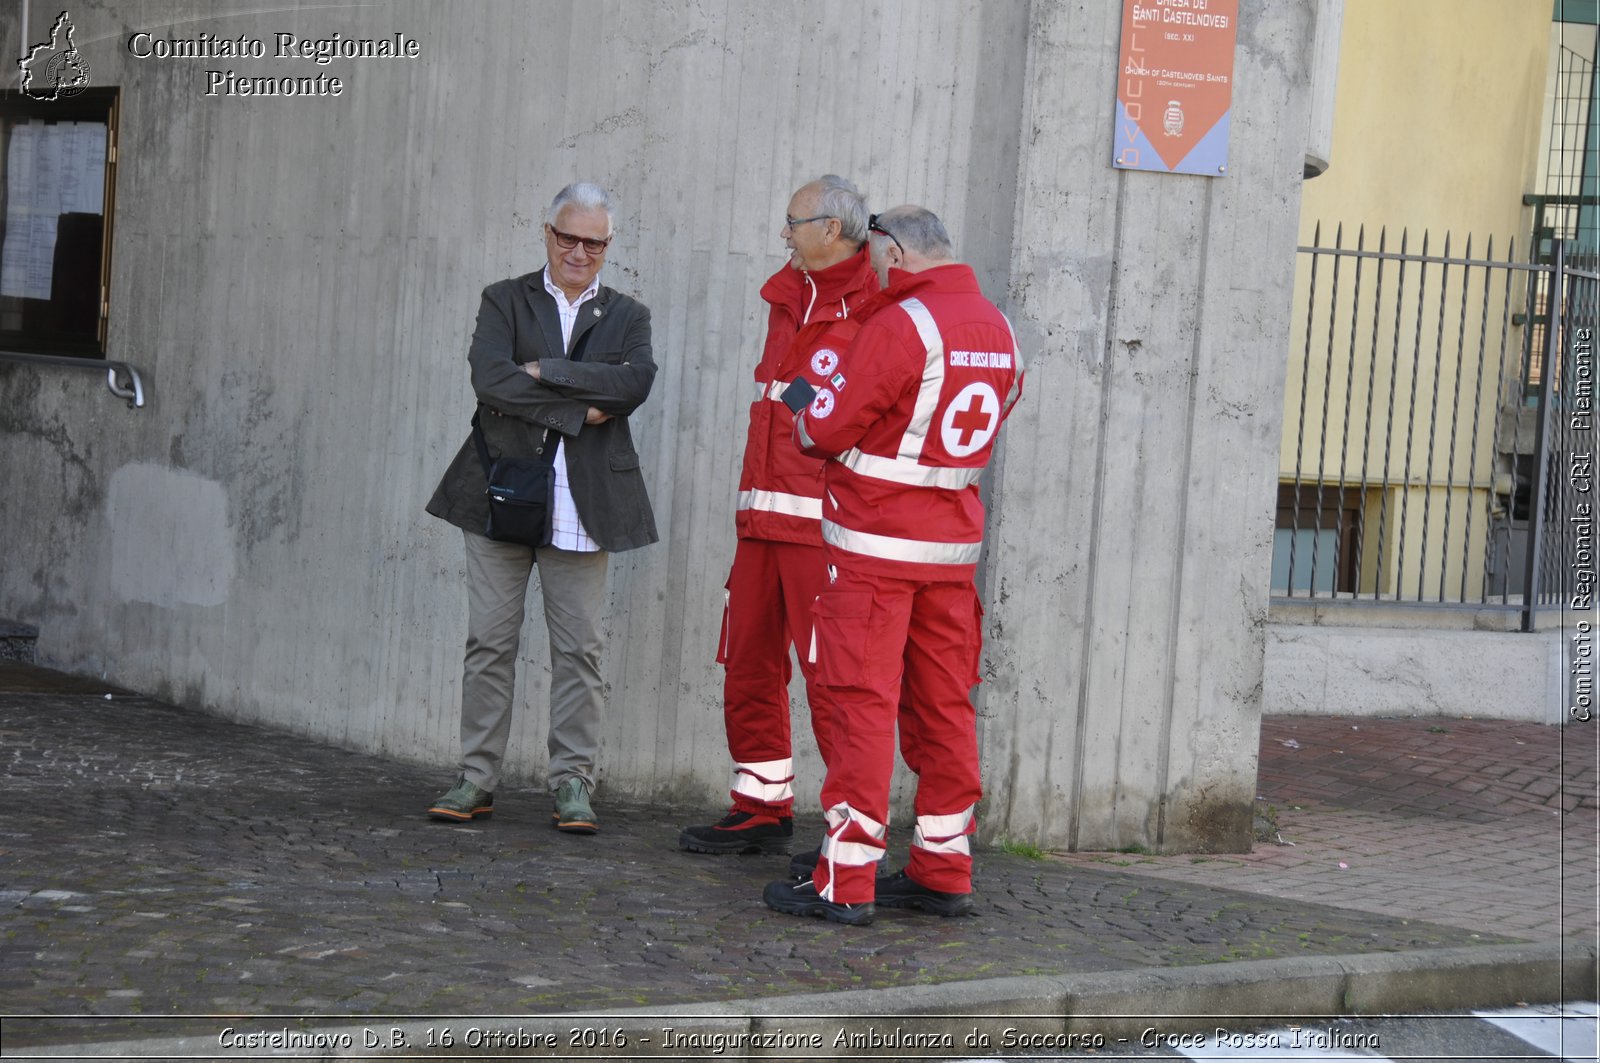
(916, 434)
(892, 548)
(908, 472)
(779, 502)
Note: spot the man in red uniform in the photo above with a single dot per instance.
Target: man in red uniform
(909, 422)
(778, 566)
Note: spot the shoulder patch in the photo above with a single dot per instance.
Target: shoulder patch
(824, 362)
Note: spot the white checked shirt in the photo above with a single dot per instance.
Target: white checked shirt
(567, 531)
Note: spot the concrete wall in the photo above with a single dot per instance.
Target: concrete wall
(1132, 536)
(1414, 671)
(1324, 85)
(298, 278)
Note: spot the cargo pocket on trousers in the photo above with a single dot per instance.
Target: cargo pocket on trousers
(975, 650)
(840, 634)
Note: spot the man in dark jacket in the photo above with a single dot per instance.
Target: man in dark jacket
(538, 389)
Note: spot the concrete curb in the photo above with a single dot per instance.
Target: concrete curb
(1110, 1011)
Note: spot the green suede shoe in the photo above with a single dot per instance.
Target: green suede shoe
(573, 813)
(464, 801)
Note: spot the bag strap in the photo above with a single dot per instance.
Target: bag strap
(477, 441)
(552, 438)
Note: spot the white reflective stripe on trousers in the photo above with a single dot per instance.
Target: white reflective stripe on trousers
(891, 548)
(766, 780)
(944, 834)
(779, 502)
(850, 854)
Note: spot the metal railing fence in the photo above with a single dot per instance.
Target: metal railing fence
(1562, 557)
(1411, 460)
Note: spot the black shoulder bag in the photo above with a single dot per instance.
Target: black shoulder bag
(522, 493)
(522, 490)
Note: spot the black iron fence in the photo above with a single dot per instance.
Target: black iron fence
(1416, 467)
(1561, 561)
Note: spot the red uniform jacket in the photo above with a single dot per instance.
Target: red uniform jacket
(910, 420)
(780, 489)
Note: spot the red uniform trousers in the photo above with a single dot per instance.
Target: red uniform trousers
(891, 648)
(771, 590)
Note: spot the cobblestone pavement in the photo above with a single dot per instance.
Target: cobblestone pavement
(164, 862)
(1477, 824)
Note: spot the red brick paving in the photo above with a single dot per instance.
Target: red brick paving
(1482, 824)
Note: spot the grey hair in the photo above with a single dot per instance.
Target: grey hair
(919, 230)
(843, 200)
(585, 195)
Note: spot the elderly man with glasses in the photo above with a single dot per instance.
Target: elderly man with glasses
(778, 567)
(907, 423)
(558, 362)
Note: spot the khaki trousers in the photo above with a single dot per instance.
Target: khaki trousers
(573, 586)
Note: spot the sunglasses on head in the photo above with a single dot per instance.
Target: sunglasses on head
(874, 227)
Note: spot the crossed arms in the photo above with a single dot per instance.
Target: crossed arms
(557, 393)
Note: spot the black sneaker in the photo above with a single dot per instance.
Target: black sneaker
(900, 890)
(800, 898)
(740, 832)
(804, 865)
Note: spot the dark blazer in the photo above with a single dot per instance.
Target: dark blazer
(518, 323)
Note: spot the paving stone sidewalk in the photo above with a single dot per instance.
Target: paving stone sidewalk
(1479, 824)
(163, 862)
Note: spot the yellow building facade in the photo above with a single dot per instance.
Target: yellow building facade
(1406, 370)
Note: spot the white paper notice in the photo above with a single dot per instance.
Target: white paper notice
(51, 169)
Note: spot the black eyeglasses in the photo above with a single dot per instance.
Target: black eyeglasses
(795, 223)
(874, 227)
(569, 241)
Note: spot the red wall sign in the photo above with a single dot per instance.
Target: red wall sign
(1175, 85)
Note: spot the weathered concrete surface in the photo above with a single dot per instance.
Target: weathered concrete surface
(1414, 671)
(1127, 607)
(297, 279)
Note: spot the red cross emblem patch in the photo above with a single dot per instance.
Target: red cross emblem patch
(971, 420)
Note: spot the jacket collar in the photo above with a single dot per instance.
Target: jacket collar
(957, 277)
(544, 309)
(954, 277)
(799, 290)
